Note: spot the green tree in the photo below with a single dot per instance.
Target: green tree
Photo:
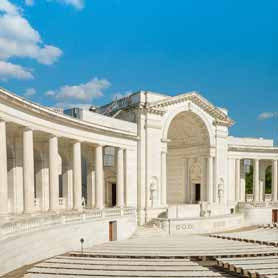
(268, 180)
(249, 181)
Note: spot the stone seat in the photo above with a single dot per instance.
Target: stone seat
(120, 267)
(251, 267)
(117, 273)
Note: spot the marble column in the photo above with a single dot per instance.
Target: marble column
(68, 185)
(99, 177)
(28, 170)
(256, 180)
(237, 180)
(53, 173)
(120, 178)
(203, 179)
(91, 185)
(210, 180)
(3, 170)
(274, 180)
(77, 176)
(262, 182)
(164, 179)
(242, 182)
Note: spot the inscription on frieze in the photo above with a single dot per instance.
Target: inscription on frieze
(184, 227)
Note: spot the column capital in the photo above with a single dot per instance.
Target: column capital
(27, 128)
(53, 135)
(101, 145)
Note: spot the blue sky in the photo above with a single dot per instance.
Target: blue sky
(225, 49)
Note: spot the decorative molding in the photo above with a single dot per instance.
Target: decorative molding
(220, 117)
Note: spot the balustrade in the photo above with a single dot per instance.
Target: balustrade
(30, 224)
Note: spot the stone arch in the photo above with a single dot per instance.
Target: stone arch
(171, 115)
(189, 134)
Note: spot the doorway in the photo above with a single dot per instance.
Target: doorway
(114, 194)
(197, 192)
(275, 215)
(112, 230)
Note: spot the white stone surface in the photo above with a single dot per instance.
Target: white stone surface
(30, 247)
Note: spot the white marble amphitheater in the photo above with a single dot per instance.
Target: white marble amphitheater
(149, 185)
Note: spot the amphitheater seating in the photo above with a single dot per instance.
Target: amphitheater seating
(152, 253)
(68, 267)
(267, 235)
(251, 267)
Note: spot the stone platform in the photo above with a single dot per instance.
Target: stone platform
(198, 225)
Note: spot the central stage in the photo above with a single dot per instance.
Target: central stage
(189, 219)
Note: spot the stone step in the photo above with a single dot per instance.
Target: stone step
(121, 267)
(114, 261)
(42, 275)
(128, 273)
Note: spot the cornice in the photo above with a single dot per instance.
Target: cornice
(49, 114)
(220, 117)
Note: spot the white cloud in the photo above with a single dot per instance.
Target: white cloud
(65, 105)
(267, 115)
(30, 92)
(84, 92)
(29, 2)
(19, 39)
(9, 70)
(121, 95)
(49, 94)
(77, 4)
(7, 7)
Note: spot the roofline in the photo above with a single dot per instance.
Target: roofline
(43, 110)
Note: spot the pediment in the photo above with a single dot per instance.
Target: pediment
(220, 117)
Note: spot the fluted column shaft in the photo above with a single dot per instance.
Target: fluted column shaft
(274, 180)
(210, 179)
(28, 170)
(120, 178)
(237, 177)
(3, 170)
(164, 178)
(99, 177)
(91, 185)
(256, 180)
(77, 176)
(53, 174)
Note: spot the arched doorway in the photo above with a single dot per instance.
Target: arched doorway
(187, 149)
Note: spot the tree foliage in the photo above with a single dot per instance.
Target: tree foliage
(249, 180)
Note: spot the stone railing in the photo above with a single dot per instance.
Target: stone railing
(37, 204)
(249, 197)
(129, 211)
(265, 204)
(112, 212)
(28, 224)
(62, 203)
